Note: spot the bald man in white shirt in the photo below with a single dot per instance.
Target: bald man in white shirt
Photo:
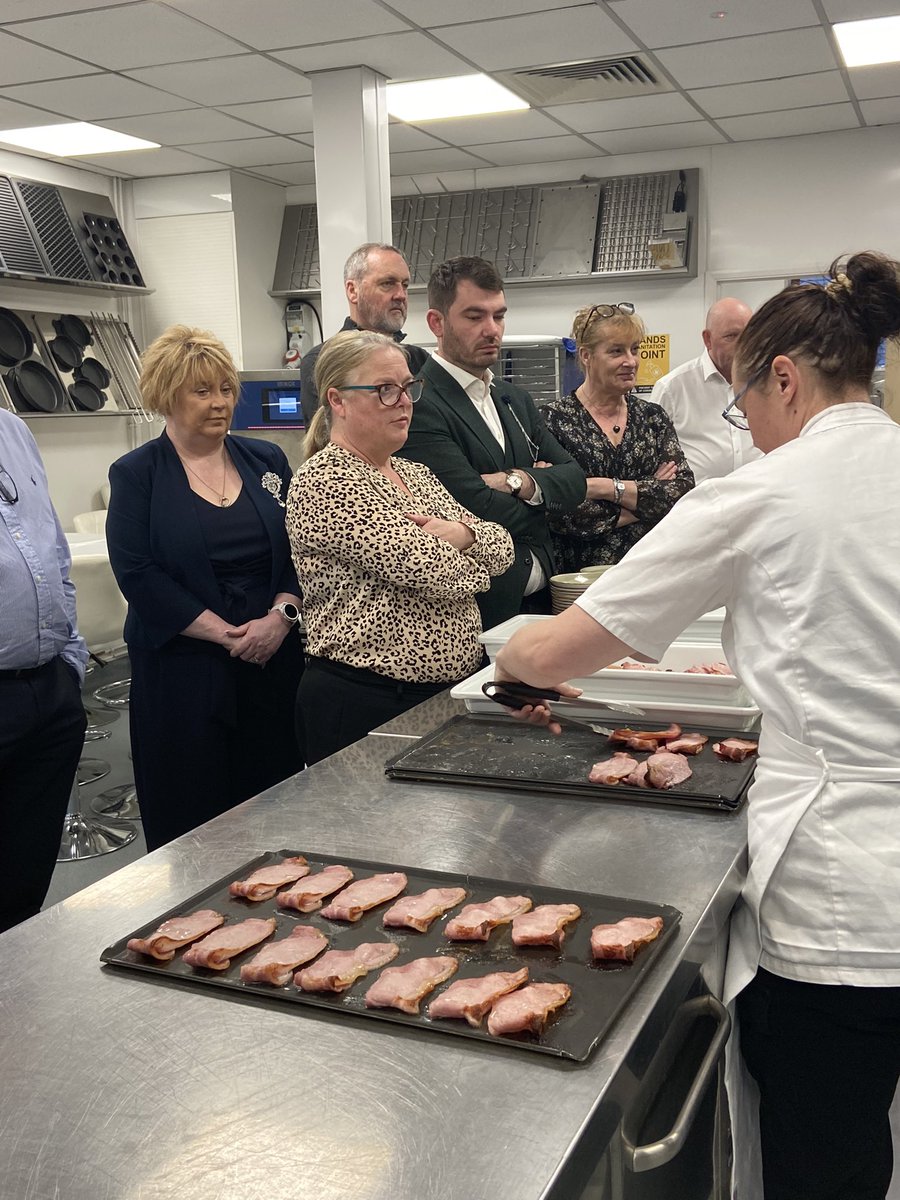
(695, 394)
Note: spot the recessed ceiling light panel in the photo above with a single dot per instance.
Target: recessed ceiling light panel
(458, 96)
(864, 43)
(74, 139)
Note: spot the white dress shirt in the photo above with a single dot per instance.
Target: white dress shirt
(694, 396)
(479, 392)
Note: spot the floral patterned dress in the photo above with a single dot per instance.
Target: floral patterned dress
(589, 534)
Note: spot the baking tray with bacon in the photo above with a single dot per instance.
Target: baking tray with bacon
(599, 991)
(501, 752)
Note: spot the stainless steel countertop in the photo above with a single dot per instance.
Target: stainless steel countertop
(119, 1088)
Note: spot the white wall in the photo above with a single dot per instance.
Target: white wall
(258, 209)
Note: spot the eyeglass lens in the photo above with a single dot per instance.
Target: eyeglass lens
(8, 489)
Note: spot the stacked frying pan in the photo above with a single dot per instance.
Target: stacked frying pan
(68, 351)
(33, 386)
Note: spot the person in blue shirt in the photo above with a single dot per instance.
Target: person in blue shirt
(42, 661)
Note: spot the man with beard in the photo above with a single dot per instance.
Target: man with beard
(483, 437)
(376, 280)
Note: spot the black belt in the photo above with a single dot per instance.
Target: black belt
(26, 672)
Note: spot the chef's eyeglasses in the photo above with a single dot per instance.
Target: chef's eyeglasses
(388, 393)
(8, 490)
(623, 309)
(733, 413)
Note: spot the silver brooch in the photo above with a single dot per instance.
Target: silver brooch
(272, 483)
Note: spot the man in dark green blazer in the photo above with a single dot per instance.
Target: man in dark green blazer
(484, 438)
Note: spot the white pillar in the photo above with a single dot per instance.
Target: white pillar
(353, 184)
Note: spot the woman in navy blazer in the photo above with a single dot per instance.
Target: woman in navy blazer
(198, 545)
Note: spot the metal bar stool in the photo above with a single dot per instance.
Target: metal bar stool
(85, 837)
(118, 803)
(101, 614)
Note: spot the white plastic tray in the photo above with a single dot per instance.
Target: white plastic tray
(686, 712)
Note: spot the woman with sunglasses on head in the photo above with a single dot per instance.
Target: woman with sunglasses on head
(626, 446)
(802, 547)
(388, 562)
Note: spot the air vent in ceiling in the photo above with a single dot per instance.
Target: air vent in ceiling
(589, 79)
(18, 251)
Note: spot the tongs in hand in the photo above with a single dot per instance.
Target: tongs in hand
(514, 695)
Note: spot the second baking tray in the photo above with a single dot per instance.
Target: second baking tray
(501, 752)
(599, 991)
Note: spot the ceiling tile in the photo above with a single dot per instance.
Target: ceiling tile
(798, 91)
(23, 62)
(449, 159)
(660, 137)
(881, 112)
(872, 83)
(137, 35)
(253, 151)
(180, 128)
(19, 10)
(407, 137)
(280, 116)
(787, 124)
(536, 150)
(429, 13)
(492, 127)
(225, 80)
(858, 10)
(22, 116)
(595, 115)
(148, 163)
(93, 97)
(291, 174)
(398, 56)
(279, 23)
(693, 21)
(766, 56)
(538, 39)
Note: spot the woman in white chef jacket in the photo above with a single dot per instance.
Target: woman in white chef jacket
(803, 549)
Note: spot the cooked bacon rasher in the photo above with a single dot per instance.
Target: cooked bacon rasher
(309, 894)
(175, 933)
(337, 970)
(527, 1010)
(620, 942)
(476, 922)
(470, 999)
(359, 897)
(264, 883)
(216, 951)
(418, 912)
(544, 925)
(276, 961)
(405, 987)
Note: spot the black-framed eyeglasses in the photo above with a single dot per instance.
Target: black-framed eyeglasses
(8, 490)
(388, 393)
(623, 309)
(733, 413)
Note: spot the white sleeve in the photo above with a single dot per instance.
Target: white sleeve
(682, 568)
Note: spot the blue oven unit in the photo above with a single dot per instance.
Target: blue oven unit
(269, 400)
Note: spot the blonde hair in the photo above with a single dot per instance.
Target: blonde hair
(182, 355)
(591, 326)
(341, 355)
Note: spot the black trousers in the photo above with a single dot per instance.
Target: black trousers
(826, 1060)
(42, 725)
(338, 704)
(208, 731)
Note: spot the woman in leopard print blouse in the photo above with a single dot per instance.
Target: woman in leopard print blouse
(389, 564)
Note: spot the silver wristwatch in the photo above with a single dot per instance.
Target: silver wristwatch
(619, 488)
(514, 482)
(290, 612)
